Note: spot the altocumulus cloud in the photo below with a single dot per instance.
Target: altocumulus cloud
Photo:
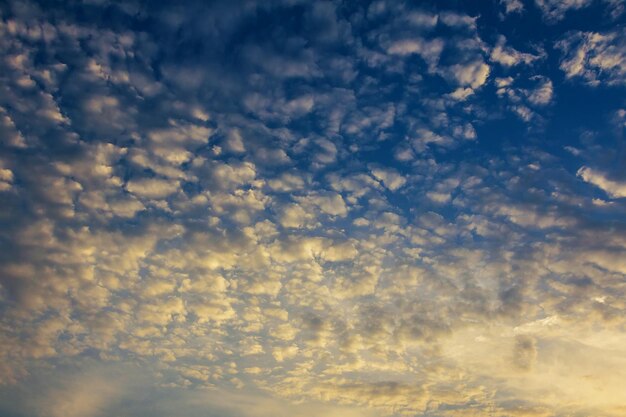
(278, 208)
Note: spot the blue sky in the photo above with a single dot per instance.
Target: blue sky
(292, 208)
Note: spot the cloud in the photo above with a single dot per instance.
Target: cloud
(91, 392)
(458, 20)
(614, 189)
(389, 177)
(294, 216)
(331, 203)
(6, 179)
(152, 187)
(303, 208)
(235, 141)
(524, 352)
(430, 50)
(512, 6)
(508, 56)
(462, 93)
(597, 58)
(473, 74)
(555, 10)
(543, 94)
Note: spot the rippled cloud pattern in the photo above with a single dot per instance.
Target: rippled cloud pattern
(295, 208)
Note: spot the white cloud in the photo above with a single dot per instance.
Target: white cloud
(294, 216)
(327, 153)
(6, 178)
(152, 188)
(555, 10)
(416, 46)
(234, 141)
(473, 74)
(287, 182)
(508, 56)
(512, 6)
(466, 132)
(424, 137)
(422, 19)
(543, 94)
(458, 20)
(461, 93)
(329, 203)
(429, 50)
(389, 177)
(597, 58)
(9, 134)
(615, 189)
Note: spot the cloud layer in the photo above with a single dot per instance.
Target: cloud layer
(307, 208)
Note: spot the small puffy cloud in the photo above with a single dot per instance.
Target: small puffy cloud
(526, 102)
(286, 182)
(300, 105)
(424, 137)
(234, 141)
(6, 179)
(442, 192)
(293, 215)
(389, 177)
(555, 10)
(327, 151)
(122, 205)
(403, 153)
(216, 310)
(329, 203)
(422, 19)
(532, 217)
(615, 189)
(438, 197)
(523, 112)
(125, 207)
(508, 57)
(161, 313)
(155, 288)
(466, 131)
(152, 188)
(269, 156)
(284, 332)
(473, 74)
(541, 95)
(503, 82)
(457, 20)
(282, 353)
(597, 58)
(512, 6)
(180, 133)
(216, 175)
(461, 93)
(278, 108)
(428, 49)
(9, 133)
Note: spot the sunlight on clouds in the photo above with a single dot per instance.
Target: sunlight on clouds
(614, 189)
(288, 208)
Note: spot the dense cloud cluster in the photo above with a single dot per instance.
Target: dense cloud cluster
(370, 207)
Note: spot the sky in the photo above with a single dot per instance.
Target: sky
(296, 208)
